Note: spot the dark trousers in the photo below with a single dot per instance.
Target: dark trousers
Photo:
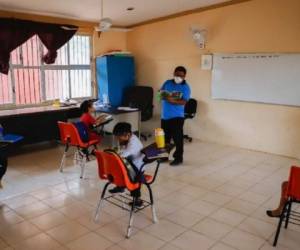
(174, 130)
(135, 176)
(136, 193)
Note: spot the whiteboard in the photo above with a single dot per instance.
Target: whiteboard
(266, 78)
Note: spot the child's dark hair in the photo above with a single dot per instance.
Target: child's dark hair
(122, 128)
(85, 105)
(180, 69)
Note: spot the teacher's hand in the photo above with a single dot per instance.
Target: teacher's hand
(175, 101)
(100, 120)
(169, 99)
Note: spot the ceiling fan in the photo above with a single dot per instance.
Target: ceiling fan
(106, 24)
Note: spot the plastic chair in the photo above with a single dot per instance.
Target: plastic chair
(112, 168)
(293, 196)
(70, 137)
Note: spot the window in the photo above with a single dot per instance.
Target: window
(32, 82)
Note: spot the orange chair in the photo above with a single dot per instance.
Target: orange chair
(112, 168)
(293, 196)
(70, 137)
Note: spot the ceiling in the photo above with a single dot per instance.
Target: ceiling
(89, 10)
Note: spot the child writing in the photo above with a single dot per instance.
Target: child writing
(89, 120)
(130, 149)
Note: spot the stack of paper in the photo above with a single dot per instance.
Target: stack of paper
(127, 109)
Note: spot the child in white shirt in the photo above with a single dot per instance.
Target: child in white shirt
(130, 149)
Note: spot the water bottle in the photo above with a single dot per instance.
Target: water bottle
(160, 137)
(1, 132)
(105, 99)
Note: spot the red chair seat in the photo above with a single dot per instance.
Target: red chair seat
(294, 183)
(88, 144)
(148, 178)
(70, 135)
(93, 142)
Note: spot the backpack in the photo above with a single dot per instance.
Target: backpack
(82, 130)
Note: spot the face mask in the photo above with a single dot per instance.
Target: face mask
(178, 80)
(124, 143)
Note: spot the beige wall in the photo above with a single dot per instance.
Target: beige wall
(255, 26)
(109, 41)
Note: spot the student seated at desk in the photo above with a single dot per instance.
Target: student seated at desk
(89, 120)
(130, 149)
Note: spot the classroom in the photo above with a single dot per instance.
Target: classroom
(150, 125)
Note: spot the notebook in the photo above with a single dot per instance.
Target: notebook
(152, 152)
(10, 138)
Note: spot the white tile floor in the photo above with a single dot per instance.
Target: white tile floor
(216, 201)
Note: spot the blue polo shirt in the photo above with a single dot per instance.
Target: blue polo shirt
(169, 110)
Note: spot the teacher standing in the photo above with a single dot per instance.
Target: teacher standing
(175, 94)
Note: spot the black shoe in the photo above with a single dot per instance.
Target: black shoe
(138, 203)
(117, 190)
(176, 163)
(270, 214)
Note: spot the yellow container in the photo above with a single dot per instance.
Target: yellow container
(56, 103)
(160, 137)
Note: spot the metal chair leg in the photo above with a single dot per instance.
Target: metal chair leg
(280, 223)
(62, 163)
(154, 216)
(288, 215)
(96, 217)
(123, 202)
(129, 229)
(76, 158)
(82, 164)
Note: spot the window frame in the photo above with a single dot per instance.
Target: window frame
(42, 68)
